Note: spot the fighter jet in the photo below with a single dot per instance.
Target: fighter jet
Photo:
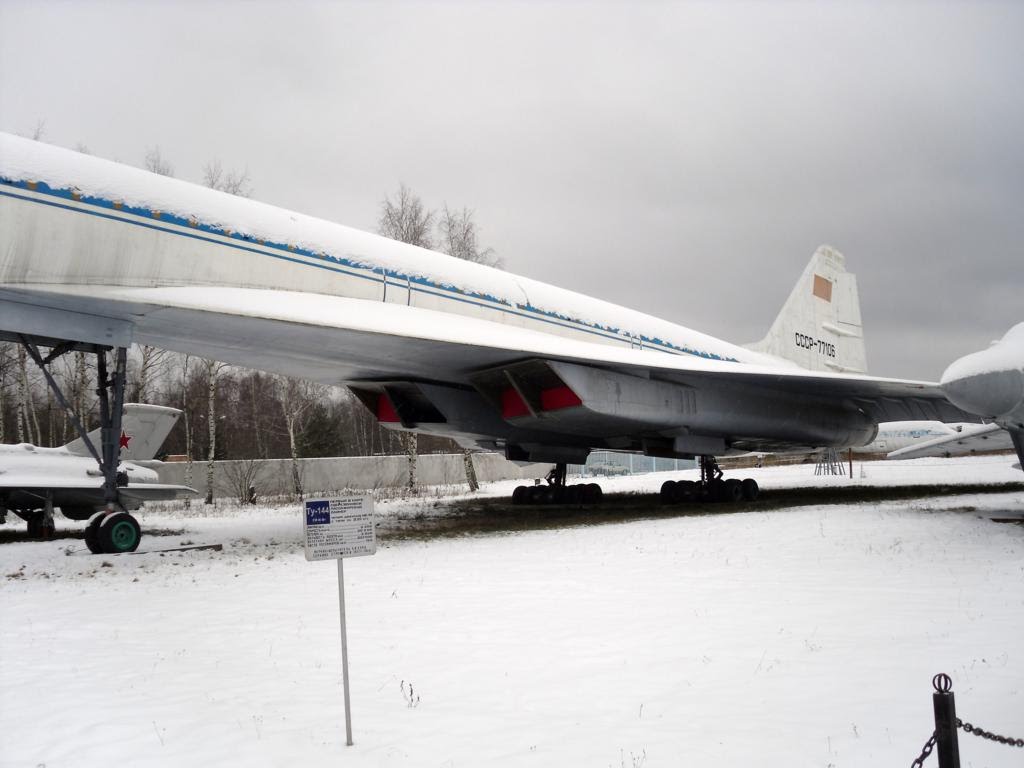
(34, 481)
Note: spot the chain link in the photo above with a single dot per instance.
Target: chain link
(968, 728)
(927, 750)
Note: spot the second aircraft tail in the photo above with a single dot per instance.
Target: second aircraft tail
(143, 430)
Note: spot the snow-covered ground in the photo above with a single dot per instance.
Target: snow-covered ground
(805, 636)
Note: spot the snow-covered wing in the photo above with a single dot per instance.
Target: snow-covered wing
(335, 339)
(973, 439)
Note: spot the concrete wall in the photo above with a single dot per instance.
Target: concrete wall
(272, 477)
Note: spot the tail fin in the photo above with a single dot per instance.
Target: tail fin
(143, 430)
(819, 327)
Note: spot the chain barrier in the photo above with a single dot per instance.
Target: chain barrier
(1009, 741)
(947, 724)
(929, 745)
(927, 750)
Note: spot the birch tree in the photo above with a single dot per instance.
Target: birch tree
(151, 364)
(458, 237)
(212, 370)
(232, 182)
(296, 398)
(156, 163)
(406, 219)
(185, 360)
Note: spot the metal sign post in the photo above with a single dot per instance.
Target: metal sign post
(335, 529)
(344, 650)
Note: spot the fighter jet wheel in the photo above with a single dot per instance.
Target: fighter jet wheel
(92, 533)
(519, 495)
(119, 532)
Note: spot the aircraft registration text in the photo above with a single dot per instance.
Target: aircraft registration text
(809, 342)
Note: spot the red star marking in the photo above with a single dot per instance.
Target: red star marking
(124, 439)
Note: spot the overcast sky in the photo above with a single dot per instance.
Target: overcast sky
(680, 158)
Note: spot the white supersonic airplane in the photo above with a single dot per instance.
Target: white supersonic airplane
(96, 252)
(34, 480)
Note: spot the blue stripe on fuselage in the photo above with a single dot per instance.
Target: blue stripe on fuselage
(340, 265)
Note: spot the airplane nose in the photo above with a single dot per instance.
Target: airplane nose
(992, 394)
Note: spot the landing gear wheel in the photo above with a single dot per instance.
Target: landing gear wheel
(592, 493)
(519, 495)
(750, 489)
(35, 525)
(668, 492)
(709, 491)
(730, 491)
(686, 491)
(119, 532)
(92, 533)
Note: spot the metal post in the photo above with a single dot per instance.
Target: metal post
(943, 704)
(344, 650)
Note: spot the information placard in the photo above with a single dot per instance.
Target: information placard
(339, 527)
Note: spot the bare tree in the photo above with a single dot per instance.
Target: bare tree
(232, 182)
(458, 237)
(245, 476)
(155, 162)
(212, 370)
(40, 128)
(4, 365)
(80, 392)
(405, 219)
(296, 398)
(152, 362)
(185, 360)
(27, 418)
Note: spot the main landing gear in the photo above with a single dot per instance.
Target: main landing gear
(111, 530)
(710, 488)
(557, 492)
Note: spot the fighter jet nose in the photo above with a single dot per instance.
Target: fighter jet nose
(986, 393)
